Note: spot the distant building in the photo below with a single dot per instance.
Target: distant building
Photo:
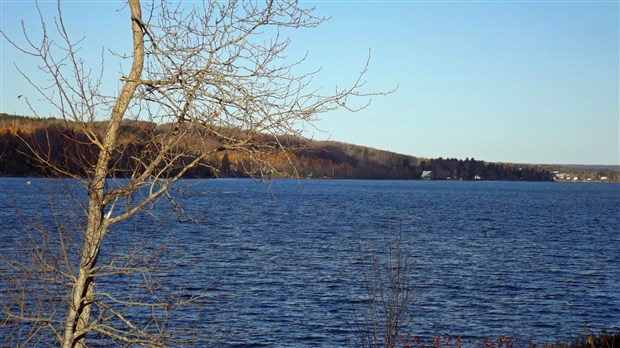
(426, 175)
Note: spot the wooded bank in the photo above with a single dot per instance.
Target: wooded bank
(21, 136)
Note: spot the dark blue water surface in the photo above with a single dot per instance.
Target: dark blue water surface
(279, 261)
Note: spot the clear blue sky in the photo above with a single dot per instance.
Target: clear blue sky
(509, 81)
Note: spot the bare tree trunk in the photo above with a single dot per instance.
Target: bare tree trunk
(206, 80)
(80, 306)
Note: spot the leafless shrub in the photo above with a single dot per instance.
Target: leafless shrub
(385, 310)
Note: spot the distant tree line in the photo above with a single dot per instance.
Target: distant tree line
(472, 169)
(20, 136)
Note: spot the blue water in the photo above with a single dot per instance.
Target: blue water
(279, 261)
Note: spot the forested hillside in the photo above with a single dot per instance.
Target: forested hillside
(66, 147)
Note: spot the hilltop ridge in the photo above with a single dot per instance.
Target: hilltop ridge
(305, 158)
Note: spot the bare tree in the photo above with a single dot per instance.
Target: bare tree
(385, 309)
(204, 79)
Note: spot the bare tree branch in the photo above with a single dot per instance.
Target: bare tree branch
(206, 79)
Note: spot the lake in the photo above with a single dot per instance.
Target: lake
(281, 260)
